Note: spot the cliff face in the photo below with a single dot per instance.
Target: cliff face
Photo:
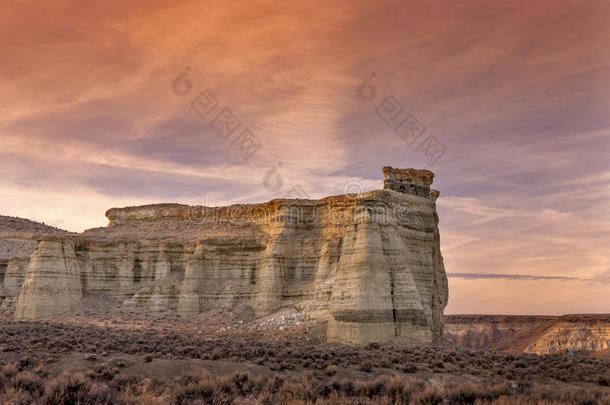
(52, 281)
(570, 333)
(17, 243)
(530, 334)
(370, 264)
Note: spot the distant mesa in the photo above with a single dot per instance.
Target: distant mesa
(530, 334)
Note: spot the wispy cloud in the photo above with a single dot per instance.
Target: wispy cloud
(477, 276)
(519, 97)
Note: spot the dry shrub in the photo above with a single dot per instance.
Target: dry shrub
(126, 383)
(330, 370)
(306, 373)
(28, 382)
(429, 396)
(465, 393)
(604, 380)
(366, 366)
(577, 396)
(15, 396)
(67, 389)
(9, 370)
(200, 391)
(305, 388)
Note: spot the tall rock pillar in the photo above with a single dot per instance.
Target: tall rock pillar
(361, 309)
(52, 284)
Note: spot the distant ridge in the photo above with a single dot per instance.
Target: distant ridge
(17, 224)
(540, 334)
(16, 237)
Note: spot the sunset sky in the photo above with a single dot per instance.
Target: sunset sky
(516, 94)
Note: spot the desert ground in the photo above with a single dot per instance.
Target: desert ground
(106, 356)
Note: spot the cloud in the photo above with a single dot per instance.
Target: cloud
(477, 276)
(519, 97)
(604, 277)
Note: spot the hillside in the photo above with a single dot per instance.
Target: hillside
(530, 334)
(16, 234)
(16, 224)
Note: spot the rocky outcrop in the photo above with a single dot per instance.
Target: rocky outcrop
(410, 181)
(574, 333)
(12, 274)
(369, 264)
(530, 334)
(17, 243)
(52, 282)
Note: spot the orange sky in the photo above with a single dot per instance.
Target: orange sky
(516, 92)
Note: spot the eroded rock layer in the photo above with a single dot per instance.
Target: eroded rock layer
(370, 264)
(17, 243)
(530, 334)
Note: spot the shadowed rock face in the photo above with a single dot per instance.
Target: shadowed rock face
(370, 264)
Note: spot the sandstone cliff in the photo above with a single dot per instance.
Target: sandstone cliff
(17, 243)
(52, 282)
(370, 264)
(530, 334)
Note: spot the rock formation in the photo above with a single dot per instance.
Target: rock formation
(52, 281)
(369, 264)
(530, 334)
(17, 243)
